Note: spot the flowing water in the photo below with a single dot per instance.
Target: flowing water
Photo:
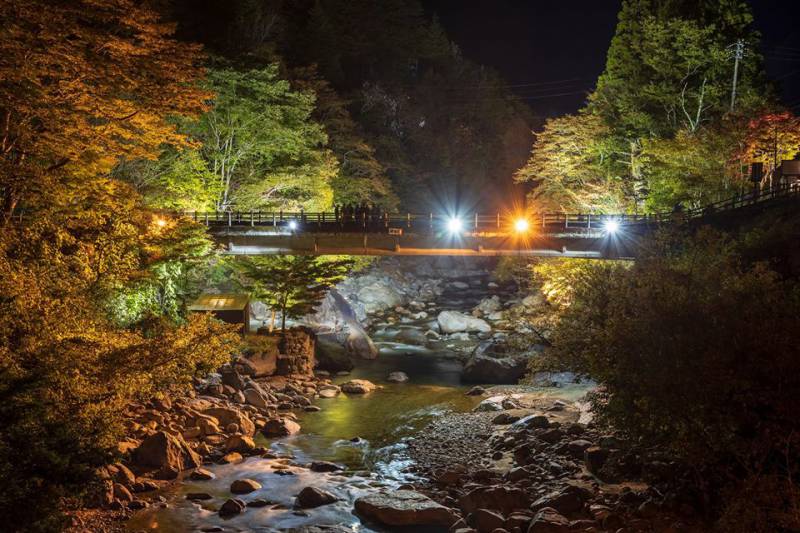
(364, 433)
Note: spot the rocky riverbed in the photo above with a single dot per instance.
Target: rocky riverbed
(386, 432)
(442, 305)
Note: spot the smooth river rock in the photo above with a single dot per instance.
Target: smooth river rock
(232, 507)
(358, 386)
(255, 398)
(280, 427)
(379, 295)
(328, 391)
(486, 366)
(227, 416)
(397, 377)
(167, 452)
(360, 345)
(240, 443)
(454, 322)
(548, 520)
(311, 497)
(404, 508)
(244, 486)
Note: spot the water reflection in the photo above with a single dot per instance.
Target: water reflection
(366, 434)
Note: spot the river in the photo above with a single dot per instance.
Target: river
(364, 433)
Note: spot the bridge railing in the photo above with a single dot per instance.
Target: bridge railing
(787, 190)
(474, 222)
(411, 222)
(478, 222)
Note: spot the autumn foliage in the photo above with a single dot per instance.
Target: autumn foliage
(83, 83)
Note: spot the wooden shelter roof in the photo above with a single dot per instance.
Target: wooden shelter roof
(220, 302)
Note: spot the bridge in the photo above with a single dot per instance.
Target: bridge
(469, 234)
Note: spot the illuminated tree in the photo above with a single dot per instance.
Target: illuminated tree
(83, 83)
(361, 177)
(667, 66)
(570, 165)
(693, 168)
(260, 143)
(66, 367)
(292, 285)
(771, 138)
(658, 130)
(179, 180)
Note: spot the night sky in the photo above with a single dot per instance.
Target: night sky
(551, 52)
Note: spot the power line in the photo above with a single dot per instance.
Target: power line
(786, 48)
(520, 97)
(502, 85)
(789, 75)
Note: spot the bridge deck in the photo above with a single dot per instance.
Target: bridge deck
(249, 241)
(547, 235)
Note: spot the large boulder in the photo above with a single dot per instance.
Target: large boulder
(331, 355)
(255, 398)
(454, 322)
(379, 295)
(168, 453)
(486, 366)
(229, 415)
(495, 498)
(359, 344)
(404, 508)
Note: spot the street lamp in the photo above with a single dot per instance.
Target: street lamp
(611, 226)
(521, 225)
(454, 225)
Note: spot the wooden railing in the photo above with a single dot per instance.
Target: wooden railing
(430, 222)
(470, 222)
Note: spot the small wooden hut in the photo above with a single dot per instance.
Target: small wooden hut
(230, 308)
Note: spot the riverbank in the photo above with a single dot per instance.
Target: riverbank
(533, 460)
(428, 328)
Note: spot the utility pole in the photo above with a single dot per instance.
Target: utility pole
(738, 50)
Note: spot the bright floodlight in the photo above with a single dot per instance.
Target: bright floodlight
(521, 225)
(611, 226)
(454, 225)
(292, 225)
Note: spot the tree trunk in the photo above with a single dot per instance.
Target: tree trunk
(9, 206)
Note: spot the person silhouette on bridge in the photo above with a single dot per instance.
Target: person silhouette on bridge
(364, 216)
